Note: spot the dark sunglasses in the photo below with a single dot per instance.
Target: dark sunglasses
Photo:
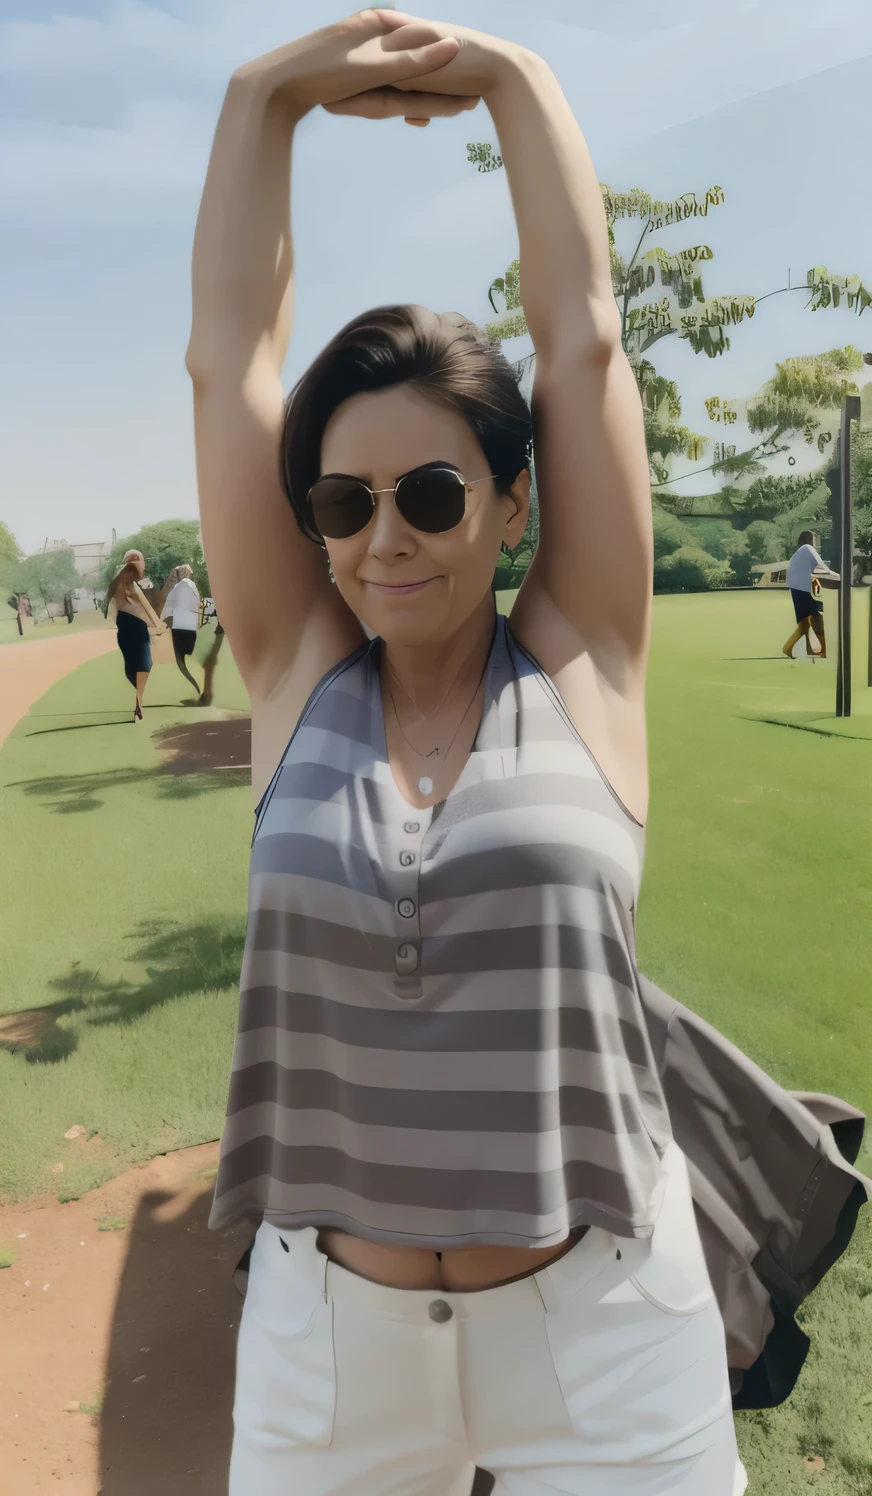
(431, 498)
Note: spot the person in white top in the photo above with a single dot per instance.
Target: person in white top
(807, 572)
(182, 607)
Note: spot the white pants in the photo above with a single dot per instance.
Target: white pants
(602, 1374)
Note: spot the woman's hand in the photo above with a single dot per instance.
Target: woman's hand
(370, 50)
(458, 84)
(415, 108)
(476, 69)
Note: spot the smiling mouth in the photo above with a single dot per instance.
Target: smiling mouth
(400, 587)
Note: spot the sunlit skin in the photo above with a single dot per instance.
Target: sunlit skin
(428, 633)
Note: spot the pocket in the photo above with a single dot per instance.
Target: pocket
(285, 1359)
(676, 1280)
(641, 1372)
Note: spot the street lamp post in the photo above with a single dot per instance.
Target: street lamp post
(850, 412)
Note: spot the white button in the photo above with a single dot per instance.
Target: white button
(406, 958)
(407, 859)
(406, 908)
(411, 827)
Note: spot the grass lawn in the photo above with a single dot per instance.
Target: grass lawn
(123, 893)
(89, 618)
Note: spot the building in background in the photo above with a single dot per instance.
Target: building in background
(89, 554)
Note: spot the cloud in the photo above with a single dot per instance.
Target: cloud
(111, 113)
(147, 166)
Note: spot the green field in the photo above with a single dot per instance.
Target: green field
(123, 891)
(89, 618)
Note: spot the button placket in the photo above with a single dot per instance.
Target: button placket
(407, 956)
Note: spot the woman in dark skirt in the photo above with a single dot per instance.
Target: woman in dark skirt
(134, 617)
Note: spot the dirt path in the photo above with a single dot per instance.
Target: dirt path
(27, 670)
(143, 1315)
(119, 1313)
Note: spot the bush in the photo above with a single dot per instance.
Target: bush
(740, 563)
(718, 537)
(669, 532)
(690, 569)
(765, 542)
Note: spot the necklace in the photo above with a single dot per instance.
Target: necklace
(425, 783)
(425, 716)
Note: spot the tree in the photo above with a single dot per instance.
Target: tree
(165, 545)
(46, 576)
(10, 553)
(684, 311)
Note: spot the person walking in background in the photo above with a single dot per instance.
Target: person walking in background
(182, 607)
(806, 570)
(134, 616)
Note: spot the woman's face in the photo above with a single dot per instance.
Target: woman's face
(378, 437)
(137, 561)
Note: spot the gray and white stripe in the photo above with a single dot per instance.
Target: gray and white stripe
(440, 1037)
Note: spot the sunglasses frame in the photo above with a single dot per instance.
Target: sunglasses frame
(438, 466)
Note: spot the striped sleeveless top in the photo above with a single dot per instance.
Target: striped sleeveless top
(440, 1038)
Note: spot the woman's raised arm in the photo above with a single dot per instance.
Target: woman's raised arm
(593, 567)
(270, 583)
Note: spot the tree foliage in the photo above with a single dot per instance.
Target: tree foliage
(687, 312)
(169, 543)
(45, 577)
(10, 552)
(690, 569)
(802, 399)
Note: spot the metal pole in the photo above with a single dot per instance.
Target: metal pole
(850, 412)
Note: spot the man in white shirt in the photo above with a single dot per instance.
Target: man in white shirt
(805, 569)
(183, 608)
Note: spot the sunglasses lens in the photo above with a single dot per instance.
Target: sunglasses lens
(432, 499)
(340, 506)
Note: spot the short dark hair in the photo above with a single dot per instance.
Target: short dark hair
(445, 357)
(806, 538)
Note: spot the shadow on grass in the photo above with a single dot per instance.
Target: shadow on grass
(816, 722)
(196, 757)
(179, 960)
(66, 794)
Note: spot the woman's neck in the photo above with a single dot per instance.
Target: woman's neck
(426, 672)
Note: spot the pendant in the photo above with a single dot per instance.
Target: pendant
(425, 785)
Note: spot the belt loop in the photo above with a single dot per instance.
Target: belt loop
(547, 1290)
(325, 1270)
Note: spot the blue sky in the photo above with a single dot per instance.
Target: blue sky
(106, 119)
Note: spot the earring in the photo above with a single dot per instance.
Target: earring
(330, 573)
(504, 549)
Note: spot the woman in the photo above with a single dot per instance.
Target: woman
(807, 572)
(134, 616)
(476, 1242)
(182, 607)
